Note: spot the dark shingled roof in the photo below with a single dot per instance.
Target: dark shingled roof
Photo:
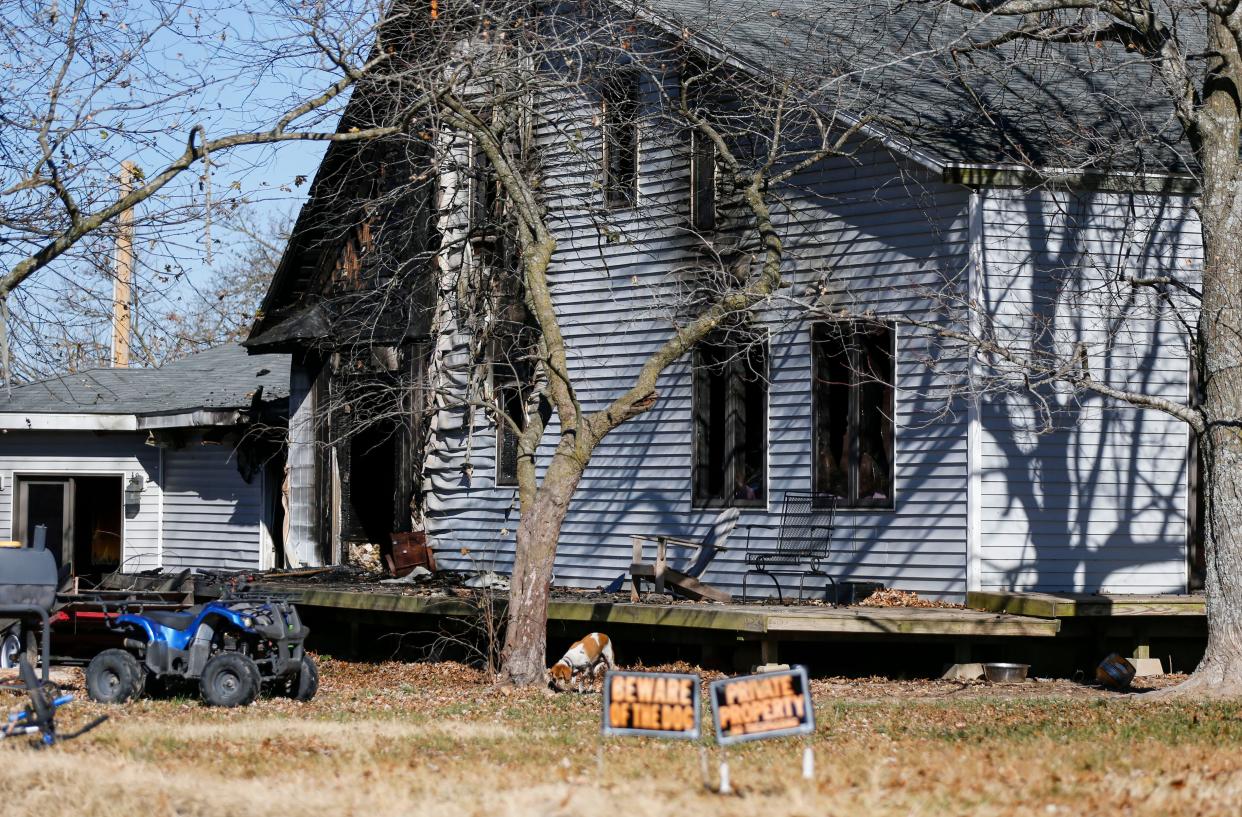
(1038, 105)
(222, 378)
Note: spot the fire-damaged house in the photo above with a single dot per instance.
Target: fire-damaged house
(398, 299)
(178, 467)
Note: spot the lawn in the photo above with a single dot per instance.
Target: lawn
(435, 739)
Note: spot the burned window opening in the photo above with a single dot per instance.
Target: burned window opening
(485, 198)
(731, 421)
(512, 357)
(702, 182)
(620, 139)
(853, 404)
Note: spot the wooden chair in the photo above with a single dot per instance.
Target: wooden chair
(802, 545)
(683, 582)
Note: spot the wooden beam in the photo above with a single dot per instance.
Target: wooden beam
(679, 582)
(1085, 605)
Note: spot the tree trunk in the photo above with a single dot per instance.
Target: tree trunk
(1220, 450)
(1220, 350)
(526, 635)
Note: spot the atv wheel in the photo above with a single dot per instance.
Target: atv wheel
(114, 677)
(229, 679)
(304, 685)
(10, 649)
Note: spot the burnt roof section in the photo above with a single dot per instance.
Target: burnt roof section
(222, 378)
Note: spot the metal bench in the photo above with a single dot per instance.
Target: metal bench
(803, 542)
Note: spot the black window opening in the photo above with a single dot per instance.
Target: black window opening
(702, 182)
(513, 369)
(731, 423)
(620, 142)
(852, 401)
(484, 193)
(511, 421)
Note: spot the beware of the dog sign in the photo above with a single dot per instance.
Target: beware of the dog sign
(769, 705)
(656, 704)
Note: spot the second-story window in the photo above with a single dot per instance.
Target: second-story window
(484, 192)
(620, 140)
(702, 182)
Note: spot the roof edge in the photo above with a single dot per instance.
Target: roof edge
(1000, 175)
(67, 421)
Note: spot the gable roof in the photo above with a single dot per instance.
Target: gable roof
(1066, 111)
(1025, 104)
(209, 386)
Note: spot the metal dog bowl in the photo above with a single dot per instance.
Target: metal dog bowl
(1005, 673)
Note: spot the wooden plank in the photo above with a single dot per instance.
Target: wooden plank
(733, 618)
(914, 623)
(1040, 605)
(1071, 605)
(679, 582)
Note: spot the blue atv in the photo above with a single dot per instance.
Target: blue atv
(234, 648)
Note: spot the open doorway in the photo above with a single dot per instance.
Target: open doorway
(83, 516)
(371, 506)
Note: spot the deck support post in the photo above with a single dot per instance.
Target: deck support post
(1142, 643)
(768, 651)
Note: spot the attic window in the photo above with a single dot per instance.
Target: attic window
(702, 182)
(620, 140)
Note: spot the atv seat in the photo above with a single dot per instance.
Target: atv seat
(177, 621)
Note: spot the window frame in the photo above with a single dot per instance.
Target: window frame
(624, 89)
(761, 341)
(702, 149)
(505, 385)
(852, 500)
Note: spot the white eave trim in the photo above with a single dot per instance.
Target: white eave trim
(68, 422)
(16, 421)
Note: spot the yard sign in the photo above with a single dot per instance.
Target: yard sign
(769, 705)
(655, 704)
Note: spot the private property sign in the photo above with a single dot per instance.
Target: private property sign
(655, 704)
(770, 705)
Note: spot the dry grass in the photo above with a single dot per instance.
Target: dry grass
(395, 739)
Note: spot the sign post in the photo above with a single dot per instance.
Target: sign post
(768, 705)
(652, 704)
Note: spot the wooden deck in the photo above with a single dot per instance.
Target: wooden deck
(761, 622)
(1085, 605)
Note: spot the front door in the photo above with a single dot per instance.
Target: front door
(48, 503)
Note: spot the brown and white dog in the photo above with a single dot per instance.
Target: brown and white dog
(590, 658)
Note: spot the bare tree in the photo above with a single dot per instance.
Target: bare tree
(87, 86)
(61, 321)
(1164, 81)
